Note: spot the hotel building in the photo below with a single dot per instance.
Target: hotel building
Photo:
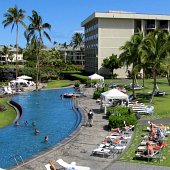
(106, 32)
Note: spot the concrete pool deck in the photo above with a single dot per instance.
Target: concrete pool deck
(79, 147)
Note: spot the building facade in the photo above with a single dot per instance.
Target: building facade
(10, 57)
(72, 55)
(106, 32)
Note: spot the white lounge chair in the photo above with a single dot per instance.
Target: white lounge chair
(47, 167)
(71, 166)
(8, 90)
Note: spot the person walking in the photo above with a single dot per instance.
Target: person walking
(90, 118)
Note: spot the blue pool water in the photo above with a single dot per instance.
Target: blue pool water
(54, 118)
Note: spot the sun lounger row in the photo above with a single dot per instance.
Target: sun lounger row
(114, 143)
(152, 144)
(141, 108)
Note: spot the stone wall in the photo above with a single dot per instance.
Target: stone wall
(7, 74)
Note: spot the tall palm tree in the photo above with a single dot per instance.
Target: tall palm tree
(130, 56)
(65, 46)
(78, 41)
(35, 30)
(155, 49)
(14, 16)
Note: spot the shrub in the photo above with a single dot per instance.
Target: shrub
(72, 68)
(109, 112)
(79, 77)
(29, 71)
(120, 115)
(96, 94)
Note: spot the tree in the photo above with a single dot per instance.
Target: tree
(11, 56)
(111, 63)
(78, 41)
(155, 50)
(131, 56)
(5, 52)
(35, 30)
(14, 16)
(166, 67)
(65, 46)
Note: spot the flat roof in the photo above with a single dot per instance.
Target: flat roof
(124, 15)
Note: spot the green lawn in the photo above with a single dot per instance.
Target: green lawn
(58, 83)
(129, 155)
(8, 116)
(160, 103)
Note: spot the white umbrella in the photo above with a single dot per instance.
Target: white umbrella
(24, 77)
(96, 77)
(19, 81)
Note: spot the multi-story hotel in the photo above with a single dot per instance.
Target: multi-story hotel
(71, 54)
(106, 32)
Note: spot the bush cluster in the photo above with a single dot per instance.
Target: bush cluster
(119, 115)
(97, 92)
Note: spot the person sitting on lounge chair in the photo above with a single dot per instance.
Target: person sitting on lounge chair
(52, 166)
(149, 150)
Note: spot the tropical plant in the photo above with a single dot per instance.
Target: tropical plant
(14, 16)
(65, 46)
(130, 56)
(155, 50)
(34, 32)
(5, 51)
(111, 63)
(78, 41)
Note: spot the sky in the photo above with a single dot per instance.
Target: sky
(65, 16)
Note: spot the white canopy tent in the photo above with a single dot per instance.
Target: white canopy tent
(96, 77)
(19, 81)
(24, 77)
(113, 94)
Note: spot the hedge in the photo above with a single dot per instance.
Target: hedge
(121, 114)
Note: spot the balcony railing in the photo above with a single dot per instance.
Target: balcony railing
(150, 26)
(163, 27)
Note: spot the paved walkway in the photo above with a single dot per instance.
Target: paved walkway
(79, 147)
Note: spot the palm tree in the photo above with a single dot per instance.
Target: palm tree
(65, 46)
(11, 56)
(155, 49)
(14, 16)
(130, 56)
(35, 30)
(78, 41)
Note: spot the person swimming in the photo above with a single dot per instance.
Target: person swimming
(33, 123)
(16, 123)
(46, 139)
(36, 131)
(26, 123)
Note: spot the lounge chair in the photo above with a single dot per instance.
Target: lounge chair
(101, 151)
(156, 155)
(71, 166)
(47, 167)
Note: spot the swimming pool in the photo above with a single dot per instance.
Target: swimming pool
(54, 118)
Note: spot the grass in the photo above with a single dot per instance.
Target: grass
(160, 103)
(8, 116)
(129, 155)
(58, 83)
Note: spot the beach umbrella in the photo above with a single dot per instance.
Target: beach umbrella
(24, 77)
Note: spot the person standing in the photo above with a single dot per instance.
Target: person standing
(90, 118)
